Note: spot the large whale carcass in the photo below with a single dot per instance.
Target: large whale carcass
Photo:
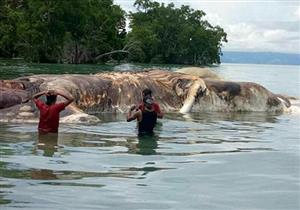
(117, 91)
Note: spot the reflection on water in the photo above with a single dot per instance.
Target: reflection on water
(246, 117)
(207, 152)
(147, 145)
(48, 143)
(4, 186)
(10, 69)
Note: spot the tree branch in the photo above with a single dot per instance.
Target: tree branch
(110, 53)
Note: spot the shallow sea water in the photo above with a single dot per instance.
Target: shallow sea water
(194, 161)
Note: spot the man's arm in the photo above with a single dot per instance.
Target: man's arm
(69, 98)
(132, 115)
(39, 104)
(37, 95)
(159, 113)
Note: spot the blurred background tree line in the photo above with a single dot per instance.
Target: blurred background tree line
(92, 31)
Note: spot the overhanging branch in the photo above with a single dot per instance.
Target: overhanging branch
(110, 53)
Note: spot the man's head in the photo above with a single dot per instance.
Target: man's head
(51, 99)
(147, 92)
(148, 101)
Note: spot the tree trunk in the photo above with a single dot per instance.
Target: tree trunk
(76, 53)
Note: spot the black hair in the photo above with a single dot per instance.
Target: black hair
(147, 92)
(50, 99)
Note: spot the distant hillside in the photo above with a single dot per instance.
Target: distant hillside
(260, 58)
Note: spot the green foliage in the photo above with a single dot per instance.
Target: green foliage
(72, 31)
(174, 35)
(88, 31)
(8, 18)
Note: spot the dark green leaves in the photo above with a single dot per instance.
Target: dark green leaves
(174, 35)
(71, 31)
(89, 31)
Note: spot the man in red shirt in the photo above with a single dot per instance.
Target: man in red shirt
(146, 118)
(49, 111)
(148, 93)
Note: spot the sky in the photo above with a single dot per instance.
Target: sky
(251, 25)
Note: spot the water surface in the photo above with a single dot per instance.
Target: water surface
(194, 161)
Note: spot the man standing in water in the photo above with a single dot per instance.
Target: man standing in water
(146, 117)
(49, 111)
(148, 92)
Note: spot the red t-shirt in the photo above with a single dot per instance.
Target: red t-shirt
(155, 107)
(49, 116)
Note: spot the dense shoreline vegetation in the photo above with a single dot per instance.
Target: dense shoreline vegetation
(94, 31)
